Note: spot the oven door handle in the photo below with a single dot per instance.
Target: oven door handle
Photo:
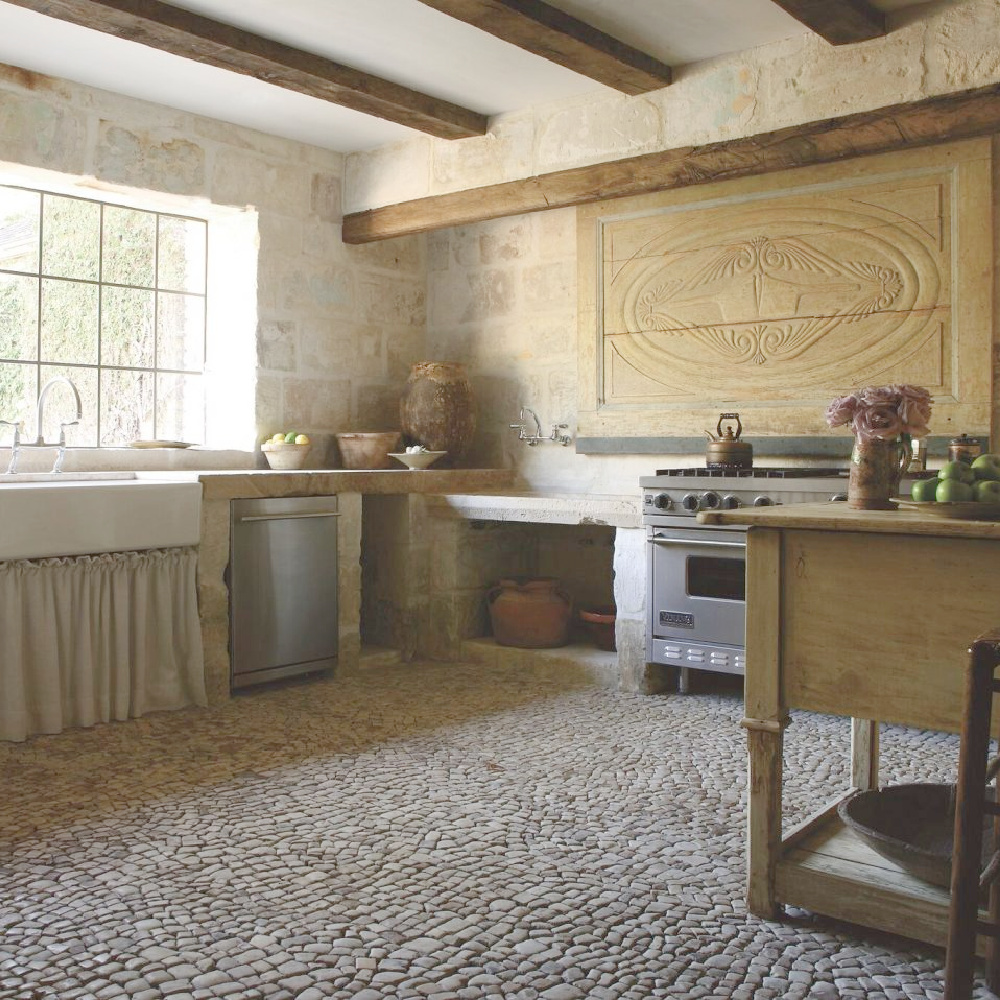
(659, 539)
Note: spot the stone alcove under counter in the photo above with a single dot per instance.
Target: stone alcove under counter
(431, 560)
(220, 488)
(410, 524)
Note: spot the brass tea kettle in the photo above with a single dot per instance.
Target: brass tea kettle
(725, 450)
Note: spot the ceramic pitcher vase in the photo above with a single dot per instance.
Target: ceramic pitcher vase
(877, 466)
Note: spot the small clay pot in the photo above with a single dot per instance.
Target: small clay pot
(530, 612)
(600, 624)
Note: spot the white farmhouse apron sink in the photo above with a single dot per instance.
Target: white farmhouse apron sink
(69, 515)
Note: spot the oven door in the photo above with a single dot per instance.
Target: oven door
(697, 582)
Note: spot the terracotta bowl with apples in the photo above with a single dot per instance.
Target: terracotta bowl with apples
(286, 451)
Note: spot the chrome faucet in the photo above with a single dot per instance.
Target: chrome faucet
(40, 412)
(16, 444)
(536, 438)
(40, 441)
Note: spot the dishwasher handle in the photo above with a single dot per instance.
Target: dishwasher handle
(243, 519)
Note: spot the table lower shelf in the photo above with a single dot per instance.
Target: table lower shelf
(826, 868)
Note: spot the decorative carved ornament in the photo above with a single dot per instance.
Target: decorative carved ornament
(780, 300)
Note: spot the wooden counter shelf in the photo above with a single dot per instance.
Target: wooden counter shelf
(866, 615)
(826, 868)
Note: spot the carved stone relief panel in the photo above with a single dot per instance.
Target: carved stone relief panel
(773, 294)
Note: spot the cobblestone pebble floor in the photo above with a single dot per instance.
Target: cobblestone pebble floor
(425, 831)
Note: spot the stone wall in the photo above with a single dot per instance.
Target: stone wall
(502, 295)
(328, 331)
(933, 48)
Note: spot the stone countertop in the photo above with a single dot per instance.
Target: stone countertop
(840, 517)
(227, 485)
(540, 508)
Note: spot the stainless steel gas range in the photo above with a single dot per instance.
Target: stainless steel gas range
(696, 595)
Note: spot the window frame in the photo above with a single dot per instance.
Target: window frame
(39, 362)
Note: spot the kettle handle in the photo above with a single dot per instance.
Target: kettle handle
(730, 416)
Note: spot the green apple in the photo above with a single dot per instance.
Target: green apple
(953, 490)
(986, 466)
(987, 490)
(960, 471)
(291, 436)
(924, 490)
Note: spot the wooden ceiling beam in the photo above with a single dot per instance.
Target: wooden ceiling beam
(183, 33)
(548, 32)
(840, 22)
(922, 123)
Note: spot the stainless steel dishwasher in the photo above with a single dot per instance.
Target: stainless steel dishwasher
(282, 588)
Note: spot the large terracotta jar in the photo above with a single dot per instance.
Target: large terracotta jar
(530, 612)
(436, 409)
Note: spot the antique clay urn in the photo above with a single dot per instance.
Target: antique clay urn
(436, 408)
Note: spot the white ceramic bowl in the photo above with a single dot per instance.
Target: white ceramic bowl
(417, 459)
(286, 457)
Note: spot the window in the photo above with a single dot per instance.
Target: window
(113, 298)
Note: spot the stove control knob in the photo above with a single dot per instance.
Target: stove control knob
(731, 502)
(662, 501)
(710, 500)
(691, 502)
(763, 502)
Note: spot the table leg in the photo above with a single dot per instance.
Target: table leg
(766, 718)
(765, 743)
(864, 754)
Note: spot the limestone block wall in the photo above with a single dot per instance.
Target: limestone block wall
(329, 331)
(387, 572)
(467, 558)
(502, 295)
(936, 48)
(580, 556)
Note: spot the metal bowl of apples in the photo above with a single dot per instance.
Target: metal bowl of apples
(963, 490)
(286, 451)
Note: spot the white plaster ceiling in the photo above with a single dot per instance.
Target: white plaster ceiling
(400, 40)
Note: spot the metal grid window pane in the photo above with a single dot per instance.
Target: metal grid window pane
(18, 317)
(70, 321)
(114, 298)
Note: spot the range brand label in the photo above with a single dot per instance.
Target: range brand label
(677, 618)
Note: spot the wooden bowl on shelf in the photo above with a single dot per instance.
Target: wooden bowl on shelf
(367, 449)
(911, 824)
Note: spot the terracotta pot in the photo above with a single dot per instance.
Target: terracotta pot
(367, 449)
(877, 466)
(600, 624)
(436, 408)
(530, 612)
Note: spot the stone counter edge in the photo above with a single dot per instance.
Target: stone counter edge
(264, 483)
(539, 508)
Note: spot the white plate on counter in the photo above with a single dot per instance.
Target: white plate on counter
(154, 443)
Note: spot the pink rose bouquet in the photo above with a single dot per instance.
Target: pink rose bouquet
(883, 411)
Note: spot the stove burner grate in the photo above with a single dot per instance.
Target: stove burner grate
(759, 473)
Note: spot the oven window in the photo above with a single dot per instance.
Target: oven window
(722, 579)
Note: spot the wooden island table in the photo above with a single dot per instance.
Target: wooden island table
(868, 615)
